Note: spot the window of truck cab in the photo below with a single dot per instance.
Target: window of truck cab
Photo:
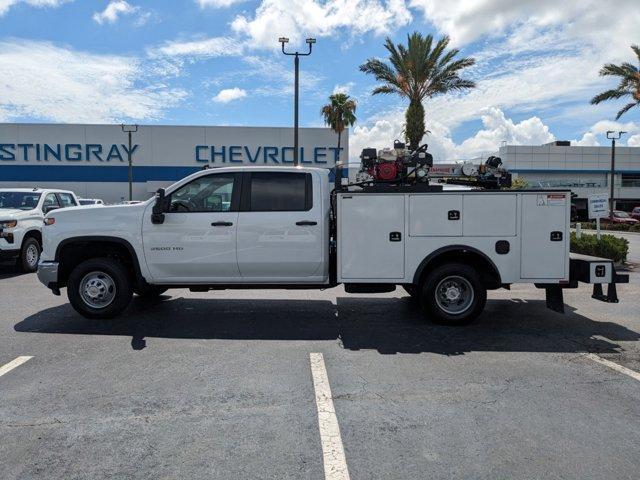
(277, 192)
(210, 193)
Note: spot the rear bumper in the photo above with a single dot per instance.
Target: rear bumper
(48, 274)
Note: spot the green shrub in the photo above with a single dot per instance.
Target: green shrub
(610, 247)
(615, 227)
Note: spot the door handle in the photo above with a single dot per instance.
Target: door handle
(222, 224)
(306, 223)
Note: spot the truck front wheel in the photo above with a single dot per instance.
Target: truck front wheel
(100, 288)
(452, 294)
(29, 255)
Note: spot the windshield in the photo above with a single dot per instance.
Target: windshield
(621, 214)
(20, 200)
(87, 202)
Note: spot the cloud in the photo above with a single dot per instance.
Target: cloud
(278, 78)
(634, 140)
(117, 8)
(229, 94)
(343, 88)
(53, 83)
(468, 21)
(218, 3)
(5, 5)
(200, 48)
(496, 128)
(297, 19)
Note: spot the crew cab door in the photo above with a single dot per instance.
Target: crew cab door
(197, 241)
(280, 228)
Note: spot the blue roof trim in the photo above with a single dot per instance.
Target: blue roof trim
(94, 173)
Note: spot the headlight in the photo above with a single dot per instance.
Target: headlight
(8, 224)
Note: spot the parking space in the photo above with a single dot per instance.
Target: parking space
(222, 385)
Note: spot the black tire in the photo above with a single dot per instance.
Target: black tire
(27, 262)
(412, 290)
(461, 280)
(149, 291)
(100, 276)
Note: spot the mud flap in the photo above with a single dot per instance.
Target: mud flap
(555, 298)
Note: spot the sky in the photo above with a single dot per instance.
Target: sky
(218, 62)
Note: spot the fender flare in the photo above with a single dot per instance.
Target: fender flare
(450, 248)
(105, 238)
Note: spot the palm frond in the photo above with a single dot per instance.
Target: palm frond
(626, 108)
(613, 94)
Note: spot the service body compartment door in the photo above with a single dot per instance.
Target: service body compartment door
(371, 237)
(545, 250)
(435, 215)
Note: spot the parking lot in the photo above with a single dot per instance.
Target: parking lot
(232, 384)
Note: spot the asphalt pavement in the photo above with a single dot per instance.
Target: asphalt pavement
(220, 385)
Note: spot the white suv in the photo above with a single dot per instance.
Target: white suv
(22, 212)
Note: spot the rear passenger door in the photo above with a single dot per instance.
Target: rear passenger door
(280, 236)
(66, 200)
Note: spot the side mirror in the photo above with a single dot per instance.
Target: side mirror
(49, 208)
(159, 207)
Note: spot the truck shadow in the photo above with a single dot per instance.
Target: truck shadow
(388, 325)
(9, 270)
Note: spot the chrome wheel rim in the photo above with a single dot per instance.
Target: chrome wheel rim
(97, 289)
(454, 295)
(32, 255)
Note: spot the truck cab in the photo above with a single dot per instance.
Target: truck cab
(22, 211)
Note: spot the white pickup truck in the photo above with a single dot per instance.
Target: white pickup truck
(22, 211)
(288, 227)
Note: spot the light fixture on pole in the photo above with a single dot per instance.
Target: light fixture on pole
(297, 55)
(613, 136)
(130, 129)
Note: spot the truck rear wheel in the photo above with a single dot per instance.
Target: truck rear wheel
(453, 294)
(100, 288)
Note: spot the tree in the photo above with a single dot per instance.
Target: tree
(629, 85)
(418, 71)
(339, 113)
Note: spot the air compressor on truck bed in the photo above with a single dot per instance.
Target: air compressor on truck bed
(396, 225)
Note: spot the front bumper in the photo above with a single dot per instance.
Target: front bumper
(9, 254)
(48, 275)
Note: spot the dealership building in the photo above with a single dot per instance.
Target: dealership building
(584, 170)
(92, 160)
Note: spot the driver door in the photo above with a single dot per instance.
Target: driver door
(197, 241)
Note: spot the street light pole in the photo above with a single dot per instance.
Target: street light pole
(130, 129)
(296, 55)
(613, 136)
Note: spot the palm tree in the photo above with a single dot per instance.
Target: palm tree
(629, 83)
(339, 113)
(418, 71)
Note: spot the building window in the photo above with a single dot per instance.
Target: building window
(631, 180)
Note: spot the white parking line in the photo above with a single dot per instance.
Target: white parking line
(335, 463)
(614, 366)
(13, 364)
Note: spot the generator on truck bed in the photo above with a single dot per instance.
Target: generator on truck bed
(292, 228)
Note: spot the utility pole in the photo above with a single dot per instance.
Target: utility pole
(613, 136)
(130, 129)
(297, 55)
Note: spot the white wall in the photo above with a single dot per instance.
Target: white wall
(93, 158)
